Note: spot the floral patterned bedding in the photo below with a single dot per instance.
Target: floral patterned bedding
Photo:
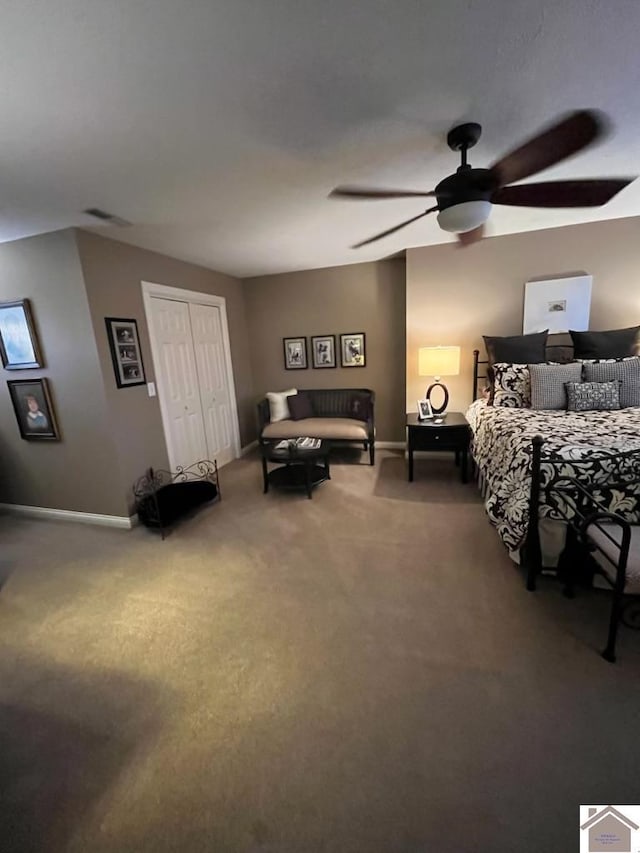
(502, 449)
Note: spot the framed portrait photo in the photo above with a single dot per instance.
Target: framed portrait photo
(352, 350)
(323, 351)
(34, 410)
(125, 351)
(19, 346)
(295, 353)
(424, 410)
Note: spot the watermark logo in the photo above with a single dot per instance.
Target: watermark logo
(609, 829)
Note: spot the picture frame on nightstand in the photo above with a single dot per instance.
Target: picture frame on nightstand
(425, 412)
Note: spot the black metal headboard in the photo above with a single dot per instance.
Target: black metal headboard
(481, 368)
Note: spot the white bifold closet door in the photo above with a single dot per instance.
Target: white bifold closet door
(212, 381)
(192, 381)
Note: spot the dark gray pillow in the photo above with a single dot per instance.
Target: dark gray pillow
(548, 381)
(359, 407)
(615, 343)
(593, 396)
(627, 371)
(517, 349)
(300, 406)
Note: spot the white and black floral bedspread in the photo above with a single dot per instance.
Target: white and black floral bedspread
(583, 441)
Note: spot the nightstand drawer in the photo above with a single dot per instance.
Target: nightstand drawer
(433, 437)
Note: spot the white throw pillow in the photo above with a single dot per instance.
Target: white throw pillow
(278, 406)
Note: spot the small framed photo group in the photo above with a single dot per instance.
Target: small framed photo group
(125, 351)
(323, 351)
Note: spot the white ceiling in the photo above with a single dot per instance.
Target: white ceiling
(219, 126)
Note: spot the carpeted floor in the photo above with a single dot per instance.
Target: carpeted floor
(360, 672)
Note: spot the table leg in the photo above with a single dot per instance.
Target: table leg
(410, 454)
(463, 467)
(307, 474)
(265, 477)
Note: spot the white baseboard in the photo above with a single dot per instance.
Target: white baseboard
(248, 447)
(123, 521)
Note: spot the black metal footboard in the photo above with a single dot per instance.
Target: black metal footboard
(611, 477)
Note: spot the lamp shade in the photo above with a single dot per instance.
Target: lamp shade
(439, 361)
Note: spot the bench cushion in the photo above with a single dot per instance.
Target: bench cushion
(174, 500)
(346, 429)
(633, 563)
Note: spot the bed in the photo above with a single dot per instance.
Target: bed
(520, 453)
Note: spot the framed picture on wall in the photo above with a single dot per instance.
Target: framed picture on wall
(557, 304)
(19, 346)
(34, 410)
(125, 351)
(323, 351)
(352, 350)
(295, 353)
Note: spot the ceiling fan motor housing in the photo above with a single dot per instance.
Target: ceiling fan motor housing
(464, 199)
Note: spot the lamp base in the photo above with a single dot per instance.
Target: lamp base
(438, 410)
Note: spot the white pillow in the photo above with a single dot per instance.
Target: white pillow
(278, 404)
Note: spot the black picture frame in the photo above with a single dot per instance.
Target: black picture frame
(295, 353)
(126, 353)
(321, 359)
(37, 420)
(19, 345)
(349, 343)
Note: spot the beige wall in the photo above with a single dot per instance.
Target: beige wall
(454, 296)
(366, 298)
(113, 272)
(81, 471)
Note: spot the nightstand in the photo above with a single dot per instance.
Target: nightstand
(452, 435)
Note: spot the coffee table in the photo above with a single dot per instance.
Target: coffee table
(298, 468)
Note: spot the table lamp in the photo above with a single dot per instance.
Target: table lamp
(437, 362)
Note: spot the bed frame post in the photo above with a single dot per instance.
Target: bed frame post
(532, 551)
(476, 356)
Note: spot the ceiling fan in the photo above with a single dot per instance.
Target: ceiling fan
(464, 199)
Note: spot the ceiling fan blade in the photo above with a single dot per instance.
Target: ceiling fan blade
(373, 194)
(469, 237)
(552, 145)
(587, 193)
(393, 230)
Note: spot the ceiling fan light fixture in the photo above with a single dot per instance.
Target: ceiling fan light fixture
(459, 218)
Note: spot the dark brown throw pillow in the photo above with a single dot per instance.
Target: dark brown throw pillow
(517, 349)
(300, 406)
(359, 407)
(614, 343)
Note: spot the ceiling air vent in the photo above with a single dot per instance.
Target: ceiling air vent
(104, 216)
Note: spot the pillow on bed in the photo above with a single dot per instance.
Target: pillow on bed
(614, 343)
(517, 349)
(547, 384)
(627, 371)
(593, 396)
(512, 386)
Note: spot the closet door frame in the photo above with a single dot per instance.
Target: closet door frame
(164, 291)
